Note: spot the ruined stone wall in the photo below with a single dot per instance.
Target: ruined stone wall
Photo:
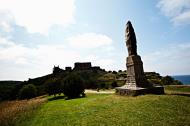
(83, 66)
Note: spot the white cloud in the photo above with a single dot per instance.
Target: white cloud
(5, 43)
(177, 10)
(105, 63)
(90, 40)
(5, 21)
(171, 60)
(39, 15)
(33, 62)
(38, 61)
(183, 18)
(41, 55)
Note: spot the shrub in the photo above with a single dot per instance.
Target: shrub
(53, 86)
(9, 89)
(177, 82)
(90, 84)
(155, 81)
(104, 85)
(119, 71)
(109, 71)
(27, 91)
(167, 80)
(114, 72)
(114, 84)
(73, 86)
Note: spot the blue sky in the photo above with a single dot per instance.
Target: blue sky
(35, 35)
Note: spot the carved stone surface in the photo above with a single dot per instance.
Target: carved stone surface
(136, 82)
(135, 73)
(130, 39)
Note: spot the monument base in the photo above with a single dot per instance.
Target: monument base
(139, 91)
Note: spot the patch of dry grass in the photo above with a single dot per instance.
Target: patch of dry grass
(12, 112)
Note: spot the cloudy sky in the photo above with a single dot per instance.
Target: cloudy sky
(35, 35)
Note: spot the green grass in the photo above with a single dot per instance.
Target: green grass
(113, 110)
(180, 88)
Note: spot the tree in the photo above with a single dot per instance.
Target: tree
(177, 82)
(102, 85)
(53, 86)
(167, 80)
(73, 86)
(119, 71)
(114, 84)
(114, 72)
(90, 83)
(27, 91)
(109, 71)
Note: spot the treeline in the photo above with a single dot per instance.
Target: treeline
(72, 86)
(65, 82)
(155, 78)
(73, 81)
(9, 89)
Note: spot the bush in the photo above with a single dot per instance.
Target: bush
(104, 85)
(54, 86)
(9, 90)
(168, 80)
(27, 91)
(155, 81)
(114, 84)
(119, 71)
(73, 86)
(177, 82)
(114, 72)
(90, 84)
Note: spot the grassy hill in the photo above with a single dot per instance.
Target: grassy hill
(110, 109)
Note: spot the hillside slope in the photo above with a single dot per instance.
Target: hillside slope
(109, 109)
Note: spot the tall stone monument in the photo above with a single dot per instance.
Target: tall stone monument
(136, 82)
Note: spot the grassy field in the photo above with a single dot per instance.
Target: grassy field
(100, 110)
(178, 88)
(113, 110)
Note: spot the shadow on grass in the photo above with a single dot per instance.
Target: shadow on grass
(64, 97)
(56, 98)
(70, 98)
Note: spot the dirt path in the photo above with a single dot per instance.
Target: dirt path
(100, 92)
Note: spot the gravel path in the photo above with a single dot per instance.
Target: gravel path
(100, 92)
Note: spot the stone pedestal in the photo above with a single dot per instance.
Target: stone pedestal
(139, 91)
(135, 73)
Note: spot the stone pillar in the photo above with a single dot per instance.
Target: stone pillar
(136, 82)
(135, 72)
